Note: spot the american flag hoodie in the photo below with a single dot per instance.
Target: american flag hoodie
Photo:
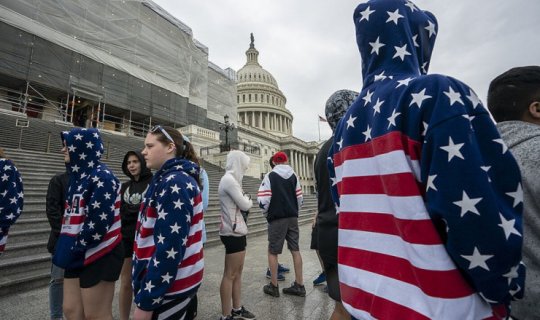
(91, 222)
(168, 259)
(429, 197)
(11, 198)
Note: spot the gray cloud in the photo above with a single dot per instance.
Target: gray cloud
(309, 46)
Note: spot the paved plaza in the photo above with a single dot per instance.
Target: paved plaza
(316, 305)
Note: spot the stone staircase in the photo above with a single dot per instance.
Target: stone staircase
(26, 262)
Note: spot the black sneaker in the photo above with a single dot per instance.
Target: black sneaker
(295, 289)
(242, 314)
(271, 289)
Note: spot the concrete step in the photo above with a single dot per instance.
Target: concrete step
(27, 248)
(35, 234)
(10, 268)
(30, 223)
(24, 281)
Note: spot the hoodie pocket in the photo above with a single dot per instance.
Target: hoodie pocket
(65, 255)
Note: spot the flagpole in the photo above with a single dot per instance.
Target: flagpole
(319, 126)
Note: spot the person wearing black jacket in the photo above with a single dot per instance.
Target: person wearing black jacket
(132, 194)
(326, 218)
(56, 197)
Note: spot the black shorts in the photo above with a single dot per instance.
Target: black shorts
(314, 238)
(328, 243)
(107, 268)
(128, 247)
(234, 244)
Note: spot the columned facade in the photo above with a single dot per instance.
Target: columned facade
(260, 102)
(265, 122)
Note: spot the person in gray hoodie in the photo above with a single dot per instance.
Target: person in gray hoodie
(514, 102)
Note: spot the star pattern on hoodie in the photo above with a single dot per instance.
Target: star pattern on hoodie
(11, 197)
(92, 200)
(443, 135)
(172, 208)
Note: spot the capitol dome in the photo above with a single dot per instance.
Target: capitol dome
(260, 102)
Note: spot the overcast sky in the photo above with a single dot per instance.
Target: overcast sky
(310, 48)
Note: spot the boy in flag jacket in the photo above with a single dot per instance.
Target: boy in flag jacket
(89, 246)
(91, 223)
(429, 198)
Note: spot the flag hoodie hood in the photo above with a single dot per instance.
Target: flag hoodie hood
(375, 23)
(85, 150)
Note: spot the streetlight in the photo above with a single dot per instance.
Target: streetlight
(227, 126)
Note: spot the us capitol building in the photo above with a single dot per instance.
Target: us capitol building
(125, 66)
(264, 124)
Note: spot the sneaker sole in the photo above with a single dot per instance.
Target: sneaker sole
(270, 294)
(319, 284)
(295, 294)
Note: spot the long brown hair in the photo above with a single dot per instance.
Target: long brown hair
(184, 149)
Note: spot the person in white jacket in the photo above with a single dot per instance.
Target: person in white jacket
(232, 231)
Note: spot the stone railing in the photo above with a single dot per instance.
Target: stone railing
(193, 130)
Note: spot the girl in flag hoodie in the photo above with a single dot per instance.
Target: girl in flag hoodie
(168, 261)
(11, 197)
(89, 247)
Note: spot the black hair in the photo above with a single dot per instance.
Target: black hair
(511, 93)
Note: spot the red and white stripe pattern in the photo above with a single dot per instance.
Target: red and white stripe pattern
(111, 239)
(191, 268)
(387, 237)
(73, 223)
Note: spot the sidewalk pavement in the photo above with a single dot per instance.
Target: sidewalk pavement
(315, 306)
